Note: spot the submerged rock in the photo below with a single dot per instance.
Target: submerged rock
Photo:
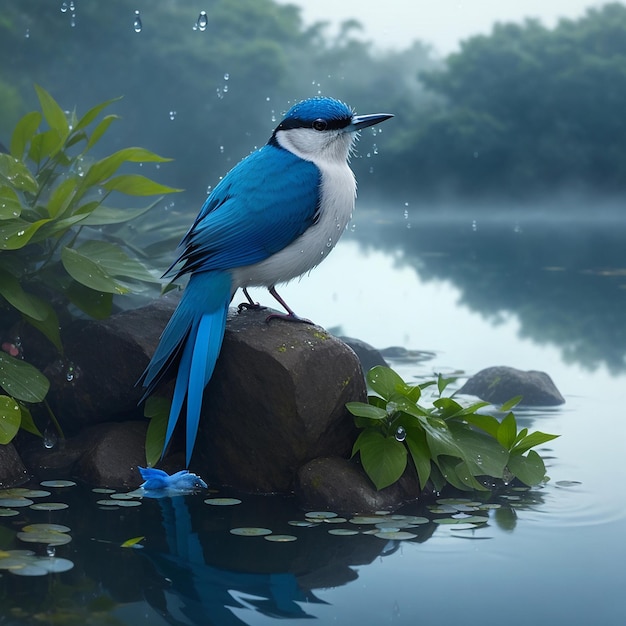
(500, 384)
(12, 470)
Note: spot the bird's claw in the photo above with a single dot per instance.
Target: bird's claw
(250, 306)
(288, 317)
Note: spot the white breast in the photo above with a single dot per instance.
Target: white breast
(337, 196)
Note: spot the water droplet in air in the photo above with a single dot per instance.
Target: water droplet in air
(49, 438)
(375, 149)
(406, 214)
(172, 115)
(221, 149)
(329, 243)
(225, 89)
(73, 20)
(50, 551)
(137, 25)
(400, 433)
(226, 76)
(27, 35)
(474, 225)
(64, 7)
(203, 20)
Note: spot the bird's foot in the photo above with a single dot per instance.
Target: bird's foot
(250, 306)
(288, 317)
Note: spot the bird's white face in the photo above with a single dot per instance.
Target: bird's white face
(325, 146)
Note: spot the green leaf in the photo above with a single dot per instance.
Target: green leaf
(105, 168)
(45, 145)
(12, 292)
(483, 455)
(447, 465)
(10, 205)
(99, 130)
(49, 325)
(360, 409)
(529, 469)
(466, 476)
(384, 381)
(448, 407)
(93, 113)
(512, 403)
(487, 423)
(383, 458)
(420, 453)
(53, 113)
(62, 196)
(129, 543)
(21, 380)
(115, 262)
(440, 439)
(24, 132)
(442, 383)
(17, 174)
(27, 422)
(137, 185)
(10, 419)
(96, 304)
(507, 431)
(90, 272)
(104, 215)
(15, 234)
(532, 440)
(157, 409)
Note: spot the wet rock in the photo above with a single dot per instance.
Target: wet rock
(105, 455)
(337, 484)
(368, 355)
(500, 384)
(95, 382)
(276, 401)
(12, 470)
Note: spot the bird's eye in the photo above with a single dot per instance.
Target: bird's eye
(320, 124)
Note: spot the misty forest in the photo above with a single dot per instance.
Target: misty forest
(524, 111)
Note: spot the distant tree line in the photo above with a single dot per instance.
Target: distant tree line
(526, 109)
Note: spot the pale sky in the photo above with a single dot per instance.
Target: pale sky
(442, 23)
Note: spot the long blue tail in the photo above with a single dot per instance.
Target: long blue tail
(193, 339)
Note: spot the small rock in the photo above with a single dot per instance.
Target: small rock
(500, 384)
(368, 355)
(337, 484)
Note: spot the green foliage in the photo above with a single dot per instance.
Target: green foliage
(448, 443)
(52, 194)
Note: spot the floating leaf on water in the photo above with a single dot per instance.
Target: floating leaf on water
(59, 528)
(335, 520)
(15, 502)
(410, 519)
(50, 537)
(108, 503)
(445, 508)
(49, 506)
(473, 519)
(57, 483)
(31, 569)
(250, 532)
(132, 543)
(122, 496)
(389, 527)
(395, 535)
(320, 515)
(102, 490)
(343, 531)
(280, 538)
(464, 526)
(8, 512)
(301, 523)
(489, 505)
(364, 519)
(110, 508)
(222, 501)
(40, 566)
(382, 512)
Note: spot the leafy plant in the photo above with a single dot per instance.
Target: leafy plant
(446, 442)
(54, 256)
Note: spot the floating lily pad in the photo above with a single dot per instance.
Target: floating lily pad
(472, 519)
(49, 506)
(40, 566)
(58, 528)
(57, 483)
(382, 512)
(17, 501)
(8, 512)
(489, 505)
(395, 535)
(344, 532)
(280, 538)
(365, 519)
(222, 501)
(301, 523)
(323, 515)
(102, 490)
(50, 537)
(250, 532)
(410, 519)
(123, 496)
(335, 520)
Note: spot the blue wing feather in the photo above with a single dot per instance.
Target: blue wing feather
(253, 212)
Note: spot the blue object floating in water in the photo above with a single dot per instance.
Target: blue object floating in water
(156, 479)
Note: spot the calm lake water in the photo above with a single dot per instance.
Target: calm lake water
(525, 292)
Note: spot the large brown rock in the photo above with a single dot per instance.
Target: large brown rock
(276, 401)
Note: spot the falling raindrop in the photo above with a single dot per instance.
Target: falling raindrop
(474, 225)
(49, 438)
(400, 433)
(226, 76)
(137, 25)
(221, 149)
(73, 20)
(225, 89)
(172, 115)
(203, 20)
(27, 35)
(64, 7)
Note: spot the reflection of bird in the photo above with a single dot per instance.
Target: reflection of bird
(273, 217)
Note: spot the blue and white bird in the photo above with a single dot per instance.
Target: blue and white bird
(273, 217)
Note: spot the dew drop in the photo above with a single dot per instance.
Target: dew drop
(137, 25)
(202, 22)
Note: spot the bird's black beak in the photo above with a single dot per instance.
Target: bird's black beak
(363, 121)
